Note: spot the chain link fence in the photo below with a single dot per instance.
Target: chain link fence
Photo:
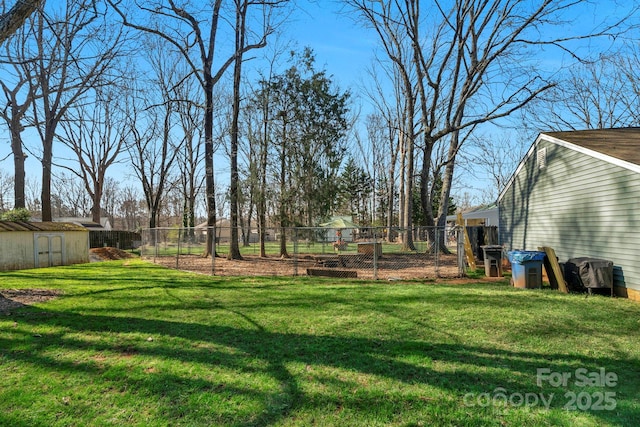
(368, 253)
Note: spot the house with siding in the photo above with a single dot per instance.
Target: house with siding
(486, 215)
(579, 192)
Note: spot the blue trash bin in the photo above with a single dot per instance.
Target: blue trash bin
(526, 268)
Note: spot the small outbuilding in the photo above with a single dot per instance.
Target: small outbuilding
(26, 245)
(486, 215)
(579, 192)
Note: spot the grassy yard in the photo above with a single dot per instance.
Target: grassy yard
(132, 343)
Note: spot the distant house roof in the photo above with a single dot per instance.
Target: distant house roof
(622, 143)
(87, 222)
(223, 222)
(6, 226)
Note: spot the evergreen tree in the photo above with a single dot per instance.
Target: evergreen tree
(307, 128)
(354, 195)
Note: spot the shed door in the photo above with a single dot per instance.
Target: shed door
(49, 249)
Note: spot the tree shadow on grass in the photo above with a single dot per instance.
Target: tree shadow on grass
(266, 353)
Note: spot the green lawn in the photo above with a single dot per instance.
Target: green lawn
(132, 343)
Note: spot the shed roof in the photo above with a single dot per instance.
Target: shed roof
(86, 222)
(622, 143)
(6, 226)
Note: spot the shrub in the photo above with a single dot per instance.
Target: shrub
(19, 214)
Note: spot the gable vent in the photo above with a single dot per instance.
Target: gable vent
(541, 157)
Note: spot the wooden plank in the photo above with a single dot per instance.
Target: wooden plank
(367, 248)
(468, 251)
(332, 272)
(329, 260)
(556, 278)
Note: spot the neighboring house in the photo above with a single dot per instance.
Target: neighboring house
(42, 244)
(579, 192)
(486, 215)
(223, 231)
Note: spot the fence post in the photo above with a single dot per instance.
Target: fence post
(213, 251)
(460, 236)
(178, 248)
(295, 251)
(375, 256)
(155, 244)
(437, 251)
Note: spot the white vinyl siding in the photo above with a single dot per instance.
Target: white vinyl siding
(577, 204)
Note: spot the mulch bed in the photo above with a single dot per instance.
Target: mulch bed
(108, 253)
(10, 299)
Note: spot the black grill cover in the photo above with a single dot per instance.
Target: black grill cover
(584, 272)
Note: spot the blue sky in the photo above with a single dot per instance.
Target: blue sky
(345, 49)
(342, 46)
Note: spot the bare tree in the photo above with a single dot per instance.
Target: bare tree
(154, 145)
(473, 61)
(6, 184)
(597, 94)
(387, 21)
(19, 93)
(19, 98)
(67, 64)
(32, 196)
(384, 134)
(190, 159)
(194, 35)
(95, 131)
(131, 208)
(495, 158)
(16, 16)
(258, 122)
(70, 198)
(384, 145)
(241, 47)
(110, 192)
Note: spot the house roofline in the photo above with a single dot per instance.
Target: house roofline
(592, 153)
(519, 168)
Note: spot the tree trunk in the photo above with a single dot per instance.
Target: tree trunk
(447, 181)
(393, 146)
(425, 194)
(402, 175)
(283, 191)
(96, 209)
(208, 160)
(248, 223)
(47, 160)
(234, 248)
(407, 242)
(262, 202)
(15, 17)
(18, 163)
